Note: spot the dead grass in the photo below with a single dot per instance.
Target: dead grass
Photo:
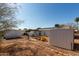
(25, 47)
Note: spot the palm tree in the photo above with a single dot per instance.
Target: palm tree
(77, 21)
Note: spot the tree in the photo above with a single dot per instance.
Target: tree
(57, 25)
(77, 21)
(7, 16)
(71, 25)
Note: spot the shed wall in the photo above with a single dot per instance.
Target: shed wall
(62, 38)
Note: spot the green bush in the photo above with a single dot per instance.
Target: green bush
(1, 34)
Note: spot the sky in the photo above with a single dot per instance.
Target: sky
(45, 15)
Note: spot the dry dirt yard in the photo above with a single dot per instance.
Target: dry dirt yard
(25, 47)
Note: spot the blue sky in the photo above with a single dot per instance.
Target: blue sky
(46, 14)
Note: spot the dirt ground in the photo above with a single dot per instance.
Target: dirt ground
(24, 47)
